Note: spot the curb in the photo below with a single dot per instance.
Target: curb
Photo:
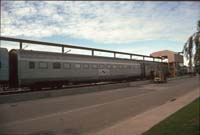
(144, 121)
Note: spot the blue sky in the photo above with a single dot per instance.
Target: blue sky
(131, 26)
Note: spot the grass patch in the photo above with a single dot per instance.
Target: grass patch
(183, 122)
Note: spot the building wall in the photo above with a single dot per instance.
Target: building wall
(174, 59)
(178, 58)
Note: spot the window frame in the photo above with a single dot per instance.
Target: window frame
(67, 67)
(85, 67)
(30, 66)
(56, 65)
(109, 66)
(101, 66)
(125, 67)
(114, 66)
(94, 66)
(77, 64)
(43, 63)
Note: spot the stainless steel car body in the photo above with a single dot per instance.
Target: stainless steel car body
(36, 66)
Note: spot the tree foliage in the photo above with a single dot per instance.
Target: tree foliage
(193, 42)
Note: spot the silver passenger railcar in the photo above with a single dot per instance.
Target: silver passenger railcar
(36, 68)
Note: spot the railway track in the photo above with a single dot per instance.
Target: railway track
(9, 91)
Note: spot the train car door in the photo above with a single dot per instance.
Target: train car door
(13, 70)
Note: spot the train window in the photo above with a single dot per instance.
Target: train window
(43, 65)
(77, 66)
(114, 66)
(108, 66)
(129, 67)
(31, 65)
(94, 66)
(137, 66)
(56, 65)
(118, 66)
(67, 65)
(125, 66)
(85, 66)
(101, 66)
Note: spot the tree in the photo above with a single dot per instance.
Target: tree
(193, 42)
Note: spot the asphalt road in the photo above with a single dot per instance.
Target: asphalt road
(80, 114)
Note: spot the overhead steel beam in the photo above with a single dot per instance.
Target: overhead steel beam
(69, 46)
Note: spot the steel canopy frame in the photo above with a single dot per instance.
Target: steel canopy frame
(21, 41)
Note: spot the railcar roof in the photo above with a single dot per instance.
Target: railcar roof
(35, 53)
